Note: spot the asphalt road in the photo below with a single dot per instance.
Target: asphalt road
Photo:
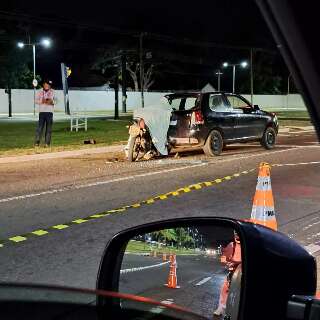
(199, 279)
(70, 255)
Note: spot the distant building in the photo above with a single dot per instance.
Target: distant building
(208, 88)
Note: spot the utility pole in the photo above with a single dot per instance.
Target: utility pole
(251, 74)
(141, 70)
(116, 96)
(8, 92)
(34, 78)
(219, 73)
(124, 82)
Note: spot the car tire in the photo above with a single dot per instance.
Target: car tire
(132, 153)
(214, 144)
(268, 139)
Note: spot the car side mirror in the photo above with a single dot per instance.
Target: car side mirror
(256, 107)
(196, 264)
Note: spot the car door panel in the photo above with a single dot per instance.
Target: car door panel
(219, 115)
(249, 123)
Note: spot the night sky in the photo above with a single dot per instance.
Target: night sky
(79, 29)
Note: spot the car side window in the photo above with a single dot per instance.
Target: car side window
(177, 104)
(237, 104)
(217, 104)
(190, 103)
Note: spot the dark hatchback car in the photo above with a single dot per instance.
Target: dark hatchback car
(213, 120)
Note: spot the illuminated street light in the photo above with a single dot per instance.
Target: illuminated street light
(243, 64)
(46, 43)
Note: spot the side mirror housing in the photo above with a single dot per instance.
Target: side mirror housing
(273, 267)
(256, 107)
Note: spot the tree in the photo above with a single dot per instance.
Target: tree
(108, 62)
(166, 235)
(15, 72)
(267, 76)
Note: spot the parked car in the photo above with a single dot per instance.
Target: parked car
(213, 120)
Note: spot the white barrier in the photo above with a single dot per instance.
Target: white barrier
(100, 101)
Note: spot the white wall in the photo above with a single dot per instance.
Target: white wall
(22, 100)
(293, 101)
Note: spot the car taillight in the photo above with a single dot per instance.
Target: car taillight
(198, 117)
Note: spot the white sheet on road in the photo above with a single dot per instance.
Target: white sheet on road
(157, 118)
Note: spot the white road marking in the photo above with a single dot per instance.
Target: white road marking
(159, 309)
(123, 271)
(98, 183)
(200, 283)
(295, 164)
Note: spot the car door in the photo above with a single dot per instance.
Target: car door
(179, 129)
(219, 114)
(249, 123)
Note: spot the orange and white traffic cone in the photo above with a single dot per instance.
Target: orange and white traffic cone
(263, 205)
(172, 279)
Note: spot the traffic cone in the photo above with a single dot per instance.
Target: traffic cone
(172, 279)
(263, 205)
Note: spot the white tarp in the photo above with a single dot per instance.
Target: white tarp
(157, 118)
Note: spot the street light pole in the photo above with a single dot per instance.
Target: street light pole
(233, 77)
(34, 76)
(243, 64)
(45, 43)
(219, 73)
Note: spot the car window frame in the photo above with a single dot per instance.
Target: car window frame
(224, 101)
(249, 108)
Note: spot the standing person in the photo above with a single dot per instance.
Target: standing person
(232, 258)
(45, 101)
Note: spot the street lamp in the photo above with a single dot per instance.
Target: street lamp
(242, 64)
(219, 74)
(46, 43)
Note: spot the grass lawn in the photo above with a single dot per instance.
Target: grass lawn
(18, 137)
(294, 118)
(139, 246)
(294, 114)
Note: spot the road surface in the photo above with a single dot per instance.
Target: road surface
(199, 280)
(47, 237)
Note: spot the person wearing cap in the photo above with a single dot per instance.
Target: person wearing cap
(45, 100)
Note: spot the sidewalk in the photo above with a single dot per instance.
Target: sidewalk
(296, 129)
(61, 154)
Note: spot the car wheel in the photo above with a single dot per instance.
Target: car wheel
(214, 144)
(268, 139)
(134, 148)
